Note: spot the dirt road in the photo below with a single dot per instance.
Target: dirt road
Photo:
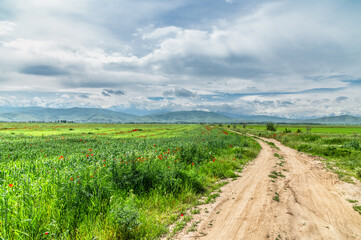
(290, 196)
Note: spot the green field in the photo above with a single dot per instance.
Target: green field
(313, 128)
(339, 145)
(109, 181)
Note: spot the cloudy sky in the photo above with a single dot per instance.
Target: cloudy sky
(282, 58)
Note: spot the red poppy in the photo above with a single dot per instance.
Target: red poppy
(71, 179)
(192, 163)
(104, 165)
(182, 215)
(11, 185)
(46, 233)
(92, 154)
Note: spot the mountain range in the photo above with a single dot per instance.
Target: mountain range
(98, 115)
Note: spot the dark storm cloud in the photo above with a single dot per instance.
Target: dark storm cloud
(353, 82)
(341, 99)
(156, 98)
(221, 96)
(43, 70)
(200, 66)
(180, 92)
(83, 82)
(84, 96)
(109, 92)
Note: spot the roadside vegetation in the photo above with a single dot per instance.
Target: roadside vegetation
(109, 181)
(340, 146)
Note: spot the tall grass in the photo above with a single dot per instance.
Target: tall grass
(81, 186)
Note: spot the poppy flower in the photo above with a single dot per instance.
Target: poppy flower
(11, 185)
(71, 179)
(182, 215)
(46, 233)
(192, 163)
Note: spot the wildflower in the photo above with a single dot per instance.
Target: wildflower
(11, 185)
(182, 215)
(192, 163)
(46, 233)
(71, 179)
(92, 154)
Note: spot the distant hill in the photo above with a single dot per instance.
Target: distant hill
(81, 115)
(344, 119)
(186, 117)
(98, 115)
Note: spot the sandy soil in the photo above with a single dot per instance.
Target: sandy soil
(312, 202)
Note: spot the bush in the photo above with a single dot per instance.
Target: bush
(287, 130)
(271, 127)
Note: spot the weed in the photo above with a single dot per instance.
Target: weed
(357, 208)
(195, 211)
(212, 198)
(276, 197)
(194, 226)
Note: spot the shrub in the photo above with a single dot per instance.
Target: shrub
(271, 127)
(287, 130)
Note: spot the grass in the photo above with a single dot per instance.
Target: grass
(211, 198)
(109, 181)
(276, 197)
(275, 174)
(357, 209)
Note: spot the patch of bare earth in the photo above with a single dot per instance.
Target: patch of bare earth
(289, 198)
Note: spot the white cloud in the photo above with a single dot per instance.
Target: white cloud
(279, 46)
(6, 27)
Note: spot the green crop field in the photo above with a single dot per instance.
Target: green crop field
(109, 181)
(340, 146)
